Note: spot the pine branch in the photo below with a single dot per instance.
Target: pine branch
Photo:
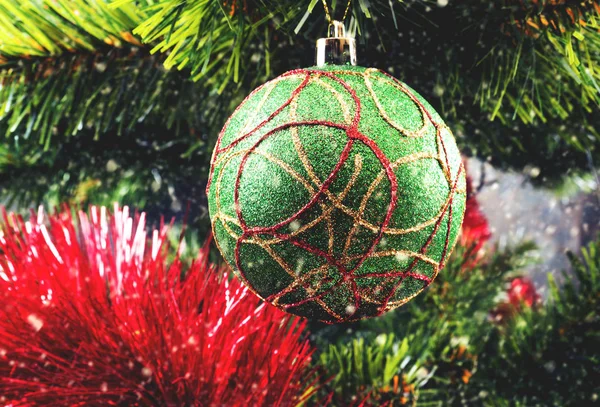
(533, 16)
(427, 349)
(457, 355)
(373, 367)
(148, 170)
(212, 37)
(102, 93)
(530, 361)
(51, 27)
(509, 75)
(557, 148)
(554, 75)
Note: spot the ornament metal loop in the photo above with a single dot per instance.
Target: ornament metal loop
(337, 48)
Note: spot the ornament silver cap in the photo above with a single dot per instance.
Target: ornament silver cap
(337, 48)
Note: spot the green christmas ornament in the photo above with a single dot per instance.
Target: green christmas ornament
(336, 192)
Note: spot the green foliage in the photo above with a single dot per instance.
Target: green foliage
(213, 36)
(518, 82)
(431, 343)
(51, 27)
(149, 172)
(550, 356)
(446, 349)
(100, 129)
(540, 145)
(364, 366)
(551, 73)
(532, 17)
(99, 94)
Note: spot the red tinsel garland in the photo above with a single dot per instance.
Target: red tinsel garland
(91, 314)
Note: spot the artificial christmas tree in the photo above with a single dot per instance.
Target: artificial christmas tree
(122, 100)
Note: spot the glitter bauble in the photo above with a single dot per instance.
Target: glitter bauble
(336, 193)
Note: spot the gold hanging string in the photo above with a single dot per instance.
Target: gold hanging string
(328, 15)
(346, 11)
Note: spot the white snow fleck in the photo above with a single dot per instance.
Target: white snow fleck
(111, 165)
(35, 322)
(276, 181)
(422, 373)
(459, 340)
(534, 172)
(350, 309)
(401, 257)
(299, 266)
(295, 225)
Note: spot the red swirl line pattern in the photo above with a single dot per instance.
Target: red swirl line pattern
(353, 135)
